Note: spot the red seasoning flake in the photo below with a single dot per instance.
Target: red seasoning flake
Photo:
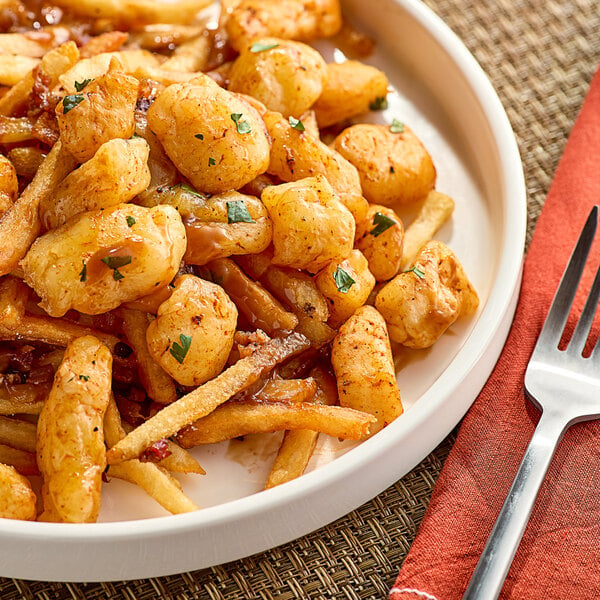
(156, 452)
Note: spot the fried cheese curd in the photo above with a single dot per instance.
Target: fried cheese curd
(201, 238)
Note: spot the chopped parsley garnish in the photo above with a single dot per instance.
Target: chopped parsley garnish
(115, 263)
(79, 85)
(380, 103)
(188, 188)
(84, 377)
(211, 161)
(70, 102)
(83, 272)
(392, 170)
(382, 223)
(420, 274)
(200, 136)
(297, 124)
(258, 47)
(242, 126)
(178, 352)
(130, 221)
(237, 212)
(397, 126)
(343, 281)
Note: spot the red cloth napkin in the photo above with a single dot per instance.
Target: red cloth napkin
(560, 551)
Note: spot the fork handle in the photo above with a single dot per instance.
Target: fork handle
(494, 563)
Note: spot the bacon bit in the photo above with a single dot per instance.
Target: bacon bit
(156, 452)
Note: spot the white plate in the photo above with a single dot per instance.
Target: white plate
(445, 97)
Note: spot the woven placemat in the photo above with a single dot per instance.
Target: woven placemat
(540, 56)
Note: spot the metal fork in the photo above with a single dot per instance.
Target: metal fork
(566, 387)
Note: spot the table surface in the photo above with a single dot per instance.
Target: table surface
(540, 56)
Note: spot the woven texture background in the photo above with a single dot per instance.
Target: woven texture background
(540, 56)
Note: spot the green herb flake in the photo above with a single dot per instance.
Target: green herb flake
(237, 212)
(186, 187)
(84, 377)
(200, 136)
(258, 47)
(297, 124)
(420, 274)
(211, 161)
(382, 223)
(397, 126)
(343, 281)
(130, 221)
(242, 126)
(83, 273)
(380, 103)
(70, 102)
(136, 135)
(79, 85)
(178, 352)
(115, 263)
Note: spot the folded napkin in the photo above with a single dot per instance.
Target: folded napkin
(559, 554)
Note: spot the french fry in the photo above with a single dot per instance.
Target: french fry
(157, 383)
(162, 36)
(24, 462)
(207, 397)
(17, 433)
(14, 68)
(298, 445)
(21, 224)
(110, 41)
(151, 302)
(297, 290)
(23, 398)
(190, 56)
(15, 129)
(286, 390)
(259, 307)
(15, 324)
(17, 96)
(135, 12)
(353, 43)
(180, 461)
(26, 160)
(244, 418)
(154, 480)
(434, 212)
(33, 43)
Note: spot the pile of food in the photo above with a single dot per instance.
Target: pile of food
(200, 240)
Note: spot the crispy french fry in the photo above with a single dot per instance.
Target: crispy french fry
(434, 212)
(259, 307)
(154, 480)
(17, 96)
(298, 445)
(15, 324)
(287, 390)
(156, 381)
(180, 461)
(14, 68)
(15, 129)
(26, 160)
(33, 43)
(236, 419)
(297, 290)
(190, 56)
(135, 12)
(22, 399)
(17, 499)
(110, 41)
(17, 433)
(21, 224)
(207, 397)
(24, 462)
(162, 36)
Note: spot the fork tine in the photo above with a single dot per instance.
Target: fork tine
(582, 331)
(563, 299)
